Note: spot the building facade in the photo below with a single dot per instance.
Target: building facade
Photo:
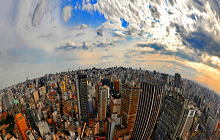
(82, 97)
(148, 110)
(129, 105)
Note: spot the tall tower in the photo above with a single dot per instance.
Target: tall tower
(21, 124)
(188, 123)
(8, 101)
(173, 116)
(102, 103)
(129, 105)
(110, 129)
(82, 97)
(147, 112)
(177, 80)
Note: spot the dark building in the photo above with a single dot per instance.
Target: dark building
(177, 80)
(148, 109)
(32, 119)
(172, 116)
(106, 82)
(82, 97)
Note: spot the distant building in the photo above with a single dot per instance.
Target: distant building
(129, 105)
(42, 90)
(29, 135)
(148, 109)
(43, 128)
(21, 124)
(36, 96)
(82, 97)
(177, 80)
(8, 101)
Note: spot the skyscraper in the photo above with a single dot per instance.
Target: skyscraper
(217, 132)
(21, 124)
(116, 87)
(32, 119)
(177, 80)
(129, 105)
(115, 105)
(8, 101)
(110, 129)
(172, 117)
(82, 97)
(147, 112)
(188, 123)
(102, 103)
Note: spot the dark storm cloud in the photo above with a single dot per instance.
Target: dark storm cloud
(160, 48)
(204, 42)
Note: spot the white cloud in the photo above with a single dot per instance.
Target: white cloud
(67, 13)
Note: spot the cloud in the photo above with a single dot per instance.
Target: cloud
(39, 11)
(204, 42)
(67, 13)
(168, 36)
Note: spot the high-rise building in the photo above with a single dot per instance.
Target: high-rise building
(82, 97)
(129, 105)
(97, 94)
(31, 118)
(173, 116)
(188, 123)
(8, 101)
(115, 105)
(21, 124)
(36, 96)
(110, 129)
(102, 103)
(148, 109)
(217, 132)
(177, 80)
(116, 87)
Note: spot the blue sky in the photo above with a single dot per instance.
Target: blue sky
(43, 36)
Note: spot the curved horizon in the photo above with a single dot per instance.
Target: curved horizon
(44, 36)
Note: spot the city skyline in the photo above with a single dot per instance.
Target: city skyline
(115, 103)
(43, 36)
